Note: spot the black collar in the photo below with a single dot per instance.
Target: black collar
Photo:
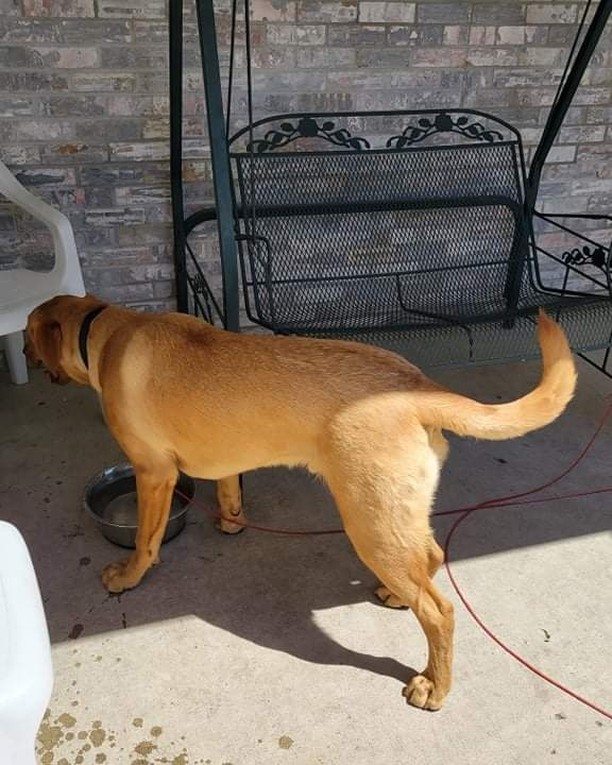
(84, 333)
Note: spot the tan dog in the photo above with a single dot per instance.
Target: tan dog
(179, 394)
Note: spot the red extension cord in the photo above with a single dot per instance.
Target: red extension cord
(465, 512)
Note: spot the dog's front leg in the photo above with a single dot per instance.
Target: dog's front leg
(229, 496)
(155, 488)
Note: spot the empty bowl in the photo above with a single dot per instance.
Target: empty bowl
(110, 499)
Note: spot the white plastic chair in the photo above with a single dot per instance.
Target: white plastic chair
(22, 290)
(26, 671)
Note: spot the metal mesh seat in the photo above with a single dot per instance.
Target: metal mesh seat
(384, 240)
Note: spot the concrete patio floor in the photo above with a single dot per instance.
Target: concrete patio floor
(261, 649)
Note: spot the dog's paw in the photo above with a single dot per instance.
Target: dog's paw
(421, 692)
(120, 576)
(387, 598)
(232, 524)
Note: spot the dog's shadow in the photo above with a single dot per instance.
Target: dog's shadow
(262, 587)
(269, 589)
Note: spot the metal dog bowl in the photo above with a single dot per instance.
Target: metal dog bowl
(110, 499)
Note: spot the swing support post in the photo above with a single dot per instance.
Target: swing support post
(218, 153)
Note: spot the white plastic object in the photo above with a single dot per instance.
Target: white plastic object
(22, 290)
(26, 672)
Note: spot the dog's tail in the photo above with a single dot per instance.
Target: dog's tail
(496, 422)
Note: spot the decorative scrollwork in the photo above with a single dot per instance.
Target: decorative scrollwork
(200, 287)
(443, 123)
(198, 283)
(580, 256)
(307, 127)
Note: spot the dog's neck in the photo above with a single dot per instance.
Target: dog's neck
(78, 362)
(84, 333)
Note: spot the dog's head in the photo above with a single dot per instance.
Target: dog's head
(45, 334)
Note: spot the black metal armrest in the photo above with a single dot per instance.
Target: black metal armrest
(204, 215)
(581, 251)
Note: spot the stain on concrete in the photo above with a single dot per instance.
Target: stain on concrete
(98, 735)
(49, 736)
(62, 740)
(76, 631)
(57, 734)
(144, 747)
(285, 742)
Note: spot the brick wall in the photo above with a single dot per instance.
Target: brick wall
(84, 106)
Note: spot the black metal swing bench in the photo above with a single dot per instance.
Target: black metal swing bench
(413, 230)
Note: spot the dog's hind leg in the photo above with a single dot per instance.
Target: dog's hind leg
(435, 555)
(403, 567)
(411, 580)
(435, 558)
(229, 495)
(384, 482)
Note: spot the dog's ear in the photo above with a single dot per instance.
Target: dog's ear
(47, 342)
